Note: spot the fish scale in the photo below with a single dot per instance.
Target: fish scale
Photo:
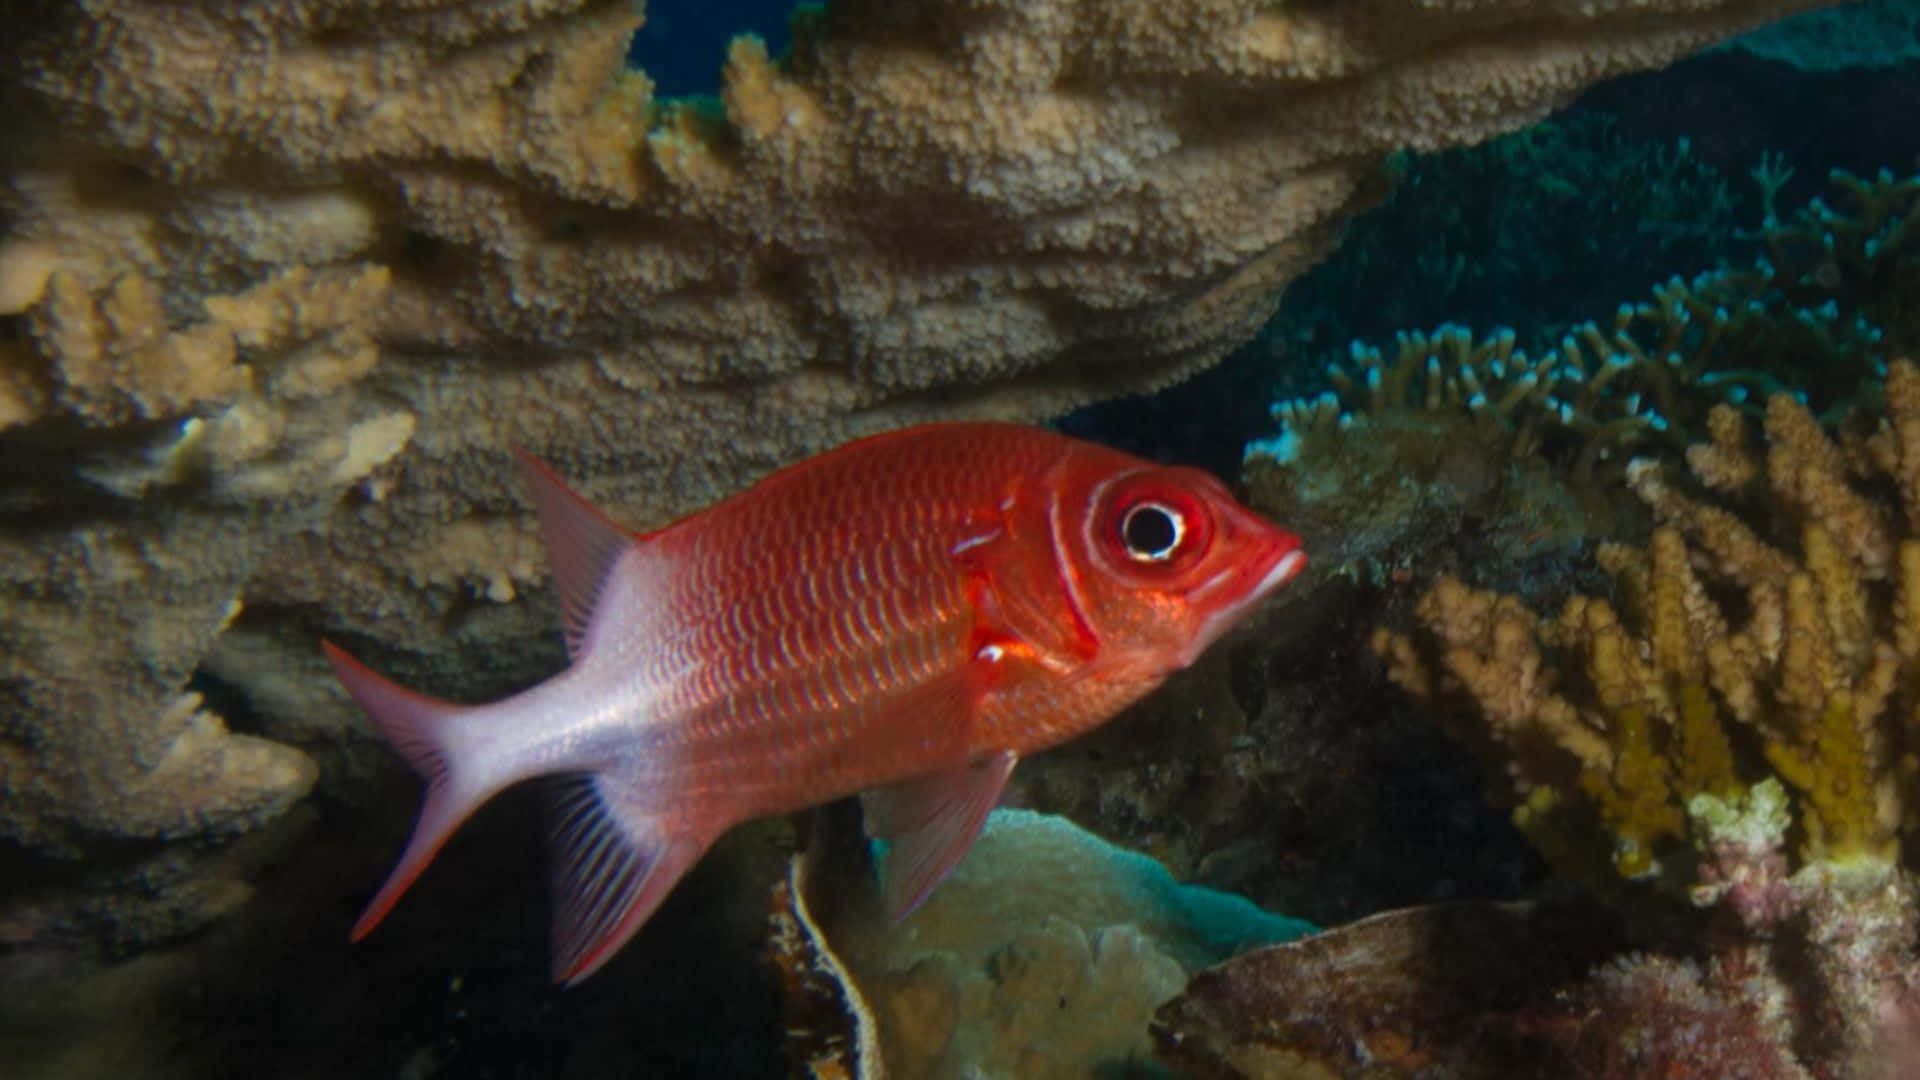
(903, 618)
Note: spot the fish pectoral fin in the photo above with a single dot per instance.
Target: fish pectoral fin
(612, 866)
(929, 822)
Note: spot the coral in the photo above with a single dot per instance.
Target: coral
(1868, 249)
(1656, 1016)
(1829, 289)
(288, 279)
(1430, 992)
(1740, 730)
(1383, 472)
(1872, 34)
(1383, 468)
(1043, 955)
(1524, 229)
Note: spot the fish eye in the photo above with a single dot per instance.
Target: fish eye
(1151, 531)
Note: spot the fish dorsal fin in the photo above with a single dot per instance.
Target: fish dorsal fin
(582, 544)
(929, 822)
(612, 866)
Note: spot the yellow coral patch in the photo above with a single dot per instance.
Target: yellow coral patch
(1686, 700)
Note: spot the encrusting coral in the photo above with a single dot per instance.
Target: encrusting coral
(1741, 730)
(286, 280)
(1043, 956)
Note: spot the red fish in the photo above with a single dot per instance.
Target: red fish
(905, 617)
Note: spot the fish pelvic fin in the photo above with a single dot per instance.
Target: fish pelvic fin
(417, 726)
(929, 822)
(613, 864)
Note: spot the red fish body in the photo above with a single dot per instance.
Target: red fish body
(905, 616)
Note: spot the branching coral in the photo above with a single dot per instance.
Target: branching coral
(1450, 426)
(1741, 729)
(1524, 229)
(287, 279)
(1829, 289)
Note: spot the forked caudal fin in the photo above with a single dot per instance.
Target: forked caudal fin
(417, 726)
(613, 861)
(616, 851)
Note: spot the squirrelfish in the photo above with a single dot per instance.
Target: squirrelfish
(904, 617)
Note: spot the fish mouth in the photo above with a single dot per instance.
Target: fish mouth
(1287, 562)
(1285, 570)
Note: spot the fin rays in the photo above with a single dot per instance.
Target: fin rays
(612, 867)
(929, 823)
(419, 728)
(582, 544)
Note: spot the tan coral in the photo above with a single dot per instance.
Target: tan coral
(1726, 725)
(1812, 666)
(1807, 470)
(1724, 463)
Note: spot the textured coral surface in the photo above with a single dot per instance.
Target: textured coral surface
(284, 281)
(1044, 955)
(1735, 728)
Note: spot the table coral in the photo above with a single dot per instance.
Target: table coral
(1741, 729)
(288, 279)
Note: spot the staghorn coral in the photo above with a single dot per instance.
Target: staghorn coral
(1652, 373)
(284, 281)
(1382, 472)
(1740, 732)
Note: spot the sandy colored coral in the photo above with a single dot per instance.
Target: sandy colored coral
(1755, 700)
(294, 276)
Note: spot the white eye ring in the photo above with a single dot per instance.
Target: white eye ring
(1153, 547)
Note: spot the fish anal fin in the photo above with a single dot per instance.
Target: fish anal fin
(613, 864)
(929, 822)
(583, 544)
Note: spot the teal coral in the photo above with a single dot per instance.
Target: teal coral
(1044, 955)
(1529, 441)
(1826, 297)
(1559, 208)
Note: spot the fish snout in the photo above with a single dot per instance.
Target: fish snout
(1261, 557)
(1270, 556)
(1285, 559)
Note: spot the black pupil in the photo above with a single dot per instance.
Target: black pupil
(1148, 530)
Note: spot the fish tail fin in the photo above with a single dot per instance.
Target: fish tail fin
(614, 860)
(417, 726)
